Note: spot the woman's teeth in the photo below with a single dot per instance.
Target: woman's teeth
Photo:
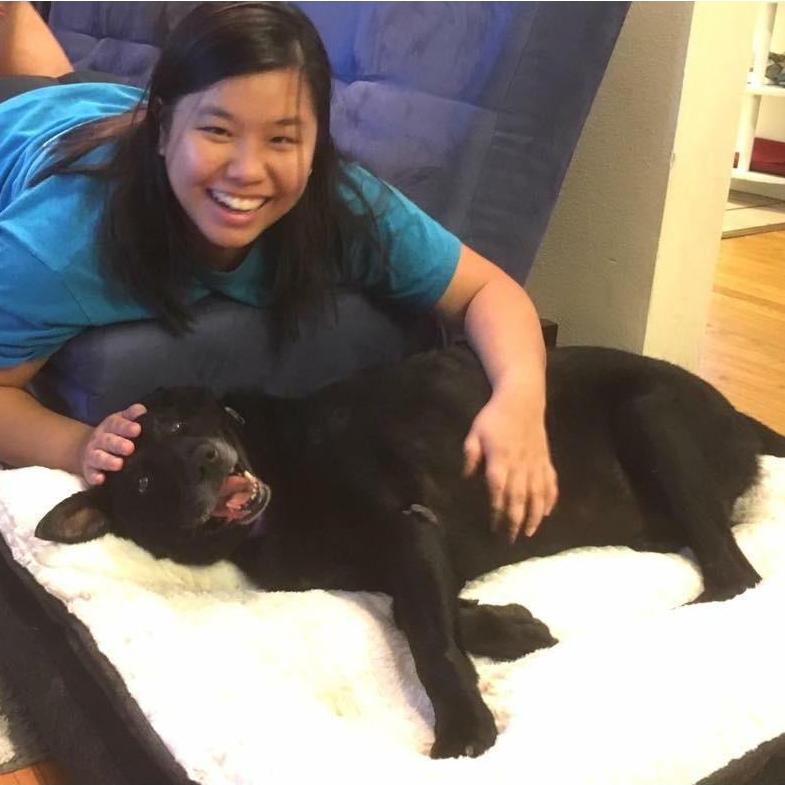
(237, 203)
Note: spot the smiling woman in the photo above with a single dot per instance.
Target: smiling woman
(118, 204)
(238, 157)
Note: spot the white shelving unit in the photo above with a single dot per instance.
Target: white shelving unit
(757, 89)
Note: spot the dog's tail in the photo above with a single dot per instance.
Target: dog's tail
(772, 443)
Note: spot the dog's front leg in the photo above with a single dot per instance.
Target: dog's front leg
(425, 602)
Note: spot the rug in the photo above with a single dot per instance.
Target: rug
(245, 687)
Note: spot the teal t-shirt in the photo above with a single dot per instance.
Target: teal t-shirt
(51, 286)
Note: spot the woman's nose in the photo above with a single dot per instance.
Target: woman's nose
(248, 163)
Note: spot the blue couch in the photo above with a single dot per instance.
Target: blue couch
(472, 109)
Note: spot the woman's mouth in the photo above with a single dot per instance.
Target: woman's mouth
(237, 208)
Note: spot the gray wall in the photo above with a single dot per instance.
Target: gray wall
(594, 272)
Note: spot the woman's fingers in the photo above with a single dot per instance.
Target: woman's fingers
(93, 477)
(535, 512)
(472, 454)
(110, 442)
(135, 411)
(100, 460)
(496, 481)
(123, 423)
(522, 496)
(114, 444)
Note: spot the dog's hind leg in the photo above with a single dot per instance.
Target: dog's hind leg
(671, 474)
(501, 632)
(425, 604)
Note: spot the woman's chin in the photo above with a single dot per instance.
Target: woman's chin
(228, 247)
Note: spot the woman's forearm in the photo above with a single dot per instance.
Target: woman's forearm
(508, 435)
(502, 326)
(32, 435)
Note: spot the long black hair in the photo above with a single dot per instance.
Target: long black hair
(147, 244)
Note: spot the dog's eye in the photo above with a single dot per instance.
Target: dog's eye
(142, 484)
(174, 427)
(238, 418)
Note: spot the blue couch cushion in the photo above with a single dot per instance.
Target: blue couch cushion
(106, 369)
(472, 109)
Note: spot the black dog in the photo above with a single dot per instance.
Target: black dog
(360, 486)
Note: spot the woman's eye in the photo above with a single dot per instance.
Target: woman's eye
(214, 130)
(283, 140)
(142, 484)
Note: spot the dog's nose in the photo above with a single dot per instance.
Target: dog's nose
(211, 457)
(206, 453)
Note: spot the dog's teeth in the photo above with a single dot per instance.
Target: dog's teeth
(254, 483)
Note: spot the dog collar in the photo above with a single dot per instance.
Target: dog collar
(258, 524)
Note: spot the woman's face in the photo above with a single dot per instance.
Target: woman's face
(238, 156)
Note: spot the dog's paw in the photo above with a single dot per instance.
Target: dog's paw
(502, 632)
(722, 593)
(746, 578)
(465, 733)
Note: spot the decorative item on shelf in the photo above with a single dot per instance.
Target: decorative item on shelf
(775, 69)
(759, 164)
(768, 156)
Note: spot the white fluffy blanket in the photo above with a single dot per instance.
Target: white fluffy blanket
(252, 687)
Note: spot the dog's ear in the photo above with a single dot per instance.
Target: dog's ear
(78, 518)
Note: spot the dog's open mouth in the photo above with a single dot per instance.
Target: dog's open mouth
(241, 498)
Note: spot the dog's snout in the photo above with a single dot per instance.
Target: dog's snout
(212, 456)
(207, 454)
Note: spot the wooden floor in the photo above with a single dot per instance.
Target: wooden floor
(744, 349)
(40, 774)
(744, 355)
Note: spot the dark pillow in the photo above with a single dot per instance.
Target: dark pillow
(108, 368)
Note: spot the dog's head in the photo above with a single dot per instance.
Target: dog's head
(187, 492)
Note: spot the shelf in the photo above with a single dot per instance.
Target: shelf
(756, 89)
(758, 177)
(758, 183)
(769, 90)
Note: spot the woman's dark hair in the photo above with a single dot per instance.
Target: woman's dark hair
(146, 241)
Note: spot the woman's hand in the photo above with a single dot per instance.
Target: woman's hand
(510, 436)
(109, 440)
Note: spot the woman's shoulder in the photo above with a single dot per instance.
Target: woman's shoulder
(49, 243)
(56, 221)
(366, 195)
(33, 121)
(355, 180)
(67, 94)
(78, 102)
(361, 191)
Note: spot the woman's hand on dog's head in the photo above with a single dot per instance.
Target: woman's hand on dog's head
(109, 442)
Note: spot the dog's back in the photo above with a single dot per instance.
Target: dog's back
(393, 437)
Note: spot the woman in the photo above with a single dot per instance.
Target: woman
(224, 177)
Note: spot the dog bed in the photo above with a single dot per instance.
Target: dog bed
(139, 670)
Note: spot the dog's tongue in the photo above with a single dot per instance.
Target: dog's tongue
(233, 495)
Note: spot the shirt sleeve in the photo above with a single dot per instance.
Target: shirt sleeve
(418, 255)
(38, 313)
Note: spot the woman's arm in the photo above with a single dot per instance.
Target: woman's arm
(32, 435)
(502, 326)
